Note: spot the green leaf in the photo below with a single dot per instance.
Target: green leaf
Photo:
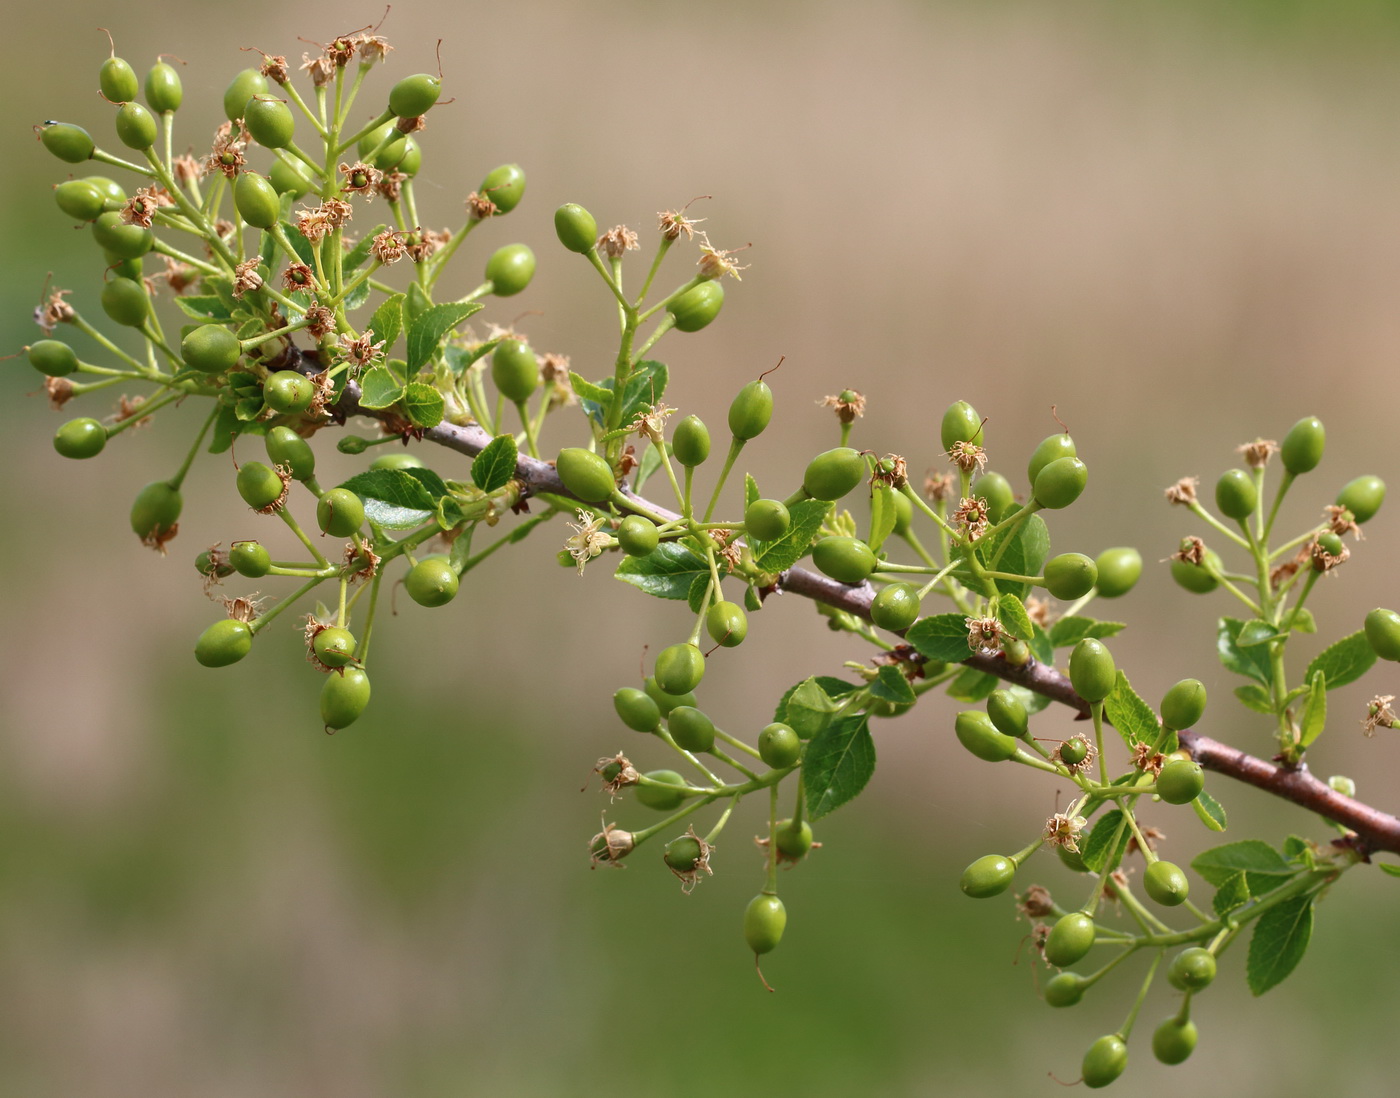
(1042, 649)
(883, 516)
(837, 765)
(429, 480)
(495, 465)
(1255, 632)
(1253, 696)
(1304, 622)
(940, 637)
(424, 404)
(387, 321)
(249, 408)
(643, 389)
(1232, 894)
(1315, 711)
(1250, 662)
(354, 259)
(651, 462)
(1099, 850)
(393, 498)
(427, 330)
(891, 686)
(1386, 867)
(1134, 718)
(461, 548)
(586, 390)
(1343, 662)
(972, 685)
(808, 707)
(1025, 554)
(1266, 867)
(1013, 617)
(666, 572)
(227, 427)
(379, 388)
(1211, 811)
(699, 588)
(1280, 939)
(205, 308)
(778, 556)
(1067, 632)
(751, 495)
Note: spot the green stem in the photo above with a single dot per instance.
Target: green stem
(179, 477)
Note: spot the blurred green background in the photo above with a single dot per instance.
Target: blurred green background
(1174, 222)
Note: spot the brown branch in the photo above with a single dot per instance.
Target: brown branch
(1375, 830)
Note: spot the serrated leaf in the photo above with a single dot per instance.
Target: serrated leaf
(303, 247)
(778, 556)
(751, 495)
(1232, 894)
(1099, 850)
(426, 331)
(1280, 939)
(1253, 696)
(227, 427)
(250, 328)
(393, 498)
(586, 390)
(699, 589)
(495, 465)
(808, 706)
(460, 359)
(1250, 662)
(1013, 617)
(883, 516)
(1041, 648)
(1210, 811)
(1067, 632)
(666, 572)
(1266, 867)
(651, 462)
(249, 408)
(1135, 720)
(461, 547)
(1343, 662)
(940, 637)
(352, 260)
(206, 308)
(1028, 546)
(429, 480)
(891, 686)
(644, 388)
(972, 685)
(838, 763)
(1304, 622)
(1255, 632)
(424, 404)
(1315, 711)
(449, 513)
(379, 388)
(387, 321)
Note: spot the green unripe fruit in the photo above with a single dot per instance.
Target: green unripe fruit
(666, 797)
(1061, 482)
(394, 142)
(1197, 578)
(679, 669)
(585, 474)
(779, 746)
(223, 643)
(415, 95)
(515, 370)
(1180, 781)
(1091, 670)
(637, 535)
(832, 474)
(691, 728)
(1105, 1061)
(976, 732)
(896, 607)
(1235, 494)
(109, 189)
(52, 357)
(510, 269)
(288, 392)
(269, 121)
(1174, 1040)
(665, 702)
(1383, 633)
(124, 241)
(1070, 576)
(289, 178)
(344, 697)
(1166, 883)
(751, 410)
(259, 485)
(1064, 989)
(682, 854)
(432, 582)
(1050, 449)
(80, 199)
(987, 876)
(71, 144)
(244, 86)
(1070, 939)
(1303, 445)
(767, 519)
(637, 710)
(210, 348)
(697, 307)
(340, 513)
(961, 423)
(80, 438)
(1330, 544)
(690, 444)
(505, 186)
(1075, 751)
(903, 514)
(124, 268)
(250, 559)
(335, 647)
(155, 511)
(848, 560)
(1119, 570)
(285, 447)
(764, 921)
(996, 490)
(117, 80)
(207, 564)
(400, 460)
(412, 158)
(256, 199)
(1191, 969)
(136, 126)
(576, 228)
(1362, 497)
(1008, 713)
(727, 624)
(1183, 704)
(125, 302)
(794, 840)
(164, 92)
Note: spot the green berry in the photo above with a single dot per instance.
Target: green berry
(666, 797)
(244, 86)
(223, 643)
(288, 392)
(136, 126)
(1362, 497)
(576, 228)
(637, 710)
(1235, 494)
(1191, 969)
(976, 732)
(52, 357)
(848, 560)
(1197, 578)
(1061, 482)
(285, 447)
(431, 582)
(1051, 449)
(344, 697)
(1383, 632)
(400, 460)
(1105, 1061)
(767, 519)
(779, 746)
(697, 307)
(727, 624)
(1119, 570)
(510, 269)
(1330, 544)
(1070, 939)
(1070, 576)
(80, 199)
(764, 921)
(156, 511)
(118, 267)
(665, 702)
(391, 143)
(690, 444)
(691, 728)
(637, 535)
(505, 186)
(1303, 445)
(515, 370)
(1180, 781)
(124, 241)
(1074, 751)
(683, 853)
(287, 177)
(250, 559)
(896, 607)
(1174, 1040)
(794, 840)
(260, 486)
(1183, 704)
(211, 349)
(1166, 883)
(164, 91)
(126, 302)
(340, 513)
(71, 144)
(335, 647)
(831, 475)
(269, 121)
(414, 96)
(1008, 713)
(961, 423)
(679, 669)
(585, 474)
(207, 564)
(256, 199)
(110, 191)
(987, 876)
(412, 158)
(996, 490)
(750, 411)
(1064, 989)
(117, 80)
(80, 438)
(1091, 670)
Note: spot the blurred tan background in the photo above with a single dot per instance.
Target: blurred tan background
(1174, 222)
